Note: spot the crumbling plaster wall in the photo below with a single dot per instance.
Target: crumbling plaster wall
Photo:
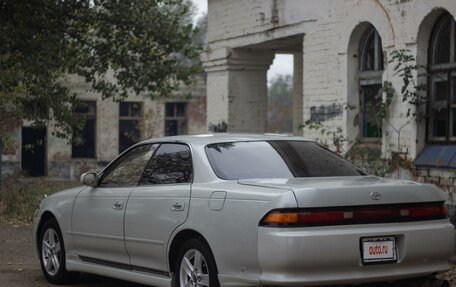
(59, 161)
(328, 82)
(245, 22)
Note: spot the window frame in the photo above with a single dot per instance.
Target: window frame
(378, 52)
(179, 119)
(368, 78)
(158, 147)
(363, 121)
(129, 118)
(443, 70)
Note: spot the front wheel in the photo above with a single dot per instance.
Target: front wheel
(196, 265)
(52, 254)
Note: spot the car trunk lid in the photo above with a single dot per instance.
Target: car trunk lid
(351, 191)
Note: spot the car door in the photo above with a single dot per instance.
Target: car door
(98, 213)
(157, 206)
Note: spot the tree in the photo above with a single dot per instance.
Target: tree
(200, 37)
(280, 103)
(118, 47)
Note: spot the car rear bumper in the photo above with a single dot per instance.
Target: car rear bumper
(332, 255)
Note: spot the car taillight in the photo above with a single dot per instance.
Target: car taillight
(354, 215)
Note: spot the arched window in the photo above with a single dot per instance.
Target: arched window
(442, 80)
(370, 81)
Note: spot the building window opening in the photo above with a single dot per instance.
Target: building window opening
(129, 124)
(83, 145)
(442, 92)
(370, 82)
(176, 122)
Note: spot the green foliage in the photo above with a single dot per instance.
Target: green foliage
(200, 37)
(118, 47)
(280, 103)
(409, 71)
(369, 156)
(22, 196)
(337, 137)
(384, 108)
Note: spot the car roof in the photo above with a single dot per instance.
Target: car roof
(205, 139)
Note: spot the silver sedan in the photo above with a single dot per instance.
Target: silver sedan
(242, 210)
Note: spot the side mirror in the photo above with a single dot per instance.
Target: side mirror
(89, 179)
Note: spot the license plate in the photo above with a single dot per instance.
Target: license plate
(378, 250)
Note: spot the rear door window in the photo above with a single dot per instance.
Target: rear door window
(171, 163)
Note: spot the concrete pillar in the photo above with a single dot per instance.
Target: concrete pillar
(237, 90)
(298, 117)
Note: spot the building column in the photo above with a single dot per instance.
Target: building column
(298, 118)
(237, 93)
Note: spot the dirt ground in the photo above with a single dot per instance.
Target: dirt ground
(19, 266)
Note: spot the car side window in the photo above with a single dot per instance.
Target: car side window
(127, 170)
(171, 163)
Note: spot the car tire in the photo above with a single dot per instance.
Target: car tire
(52, 254)
(195, 265)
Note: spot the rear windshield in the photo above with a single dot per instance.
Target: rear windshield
(276, 159)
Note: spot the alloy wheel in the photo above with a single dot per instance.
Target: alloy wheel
(51, 251)
(193, 270)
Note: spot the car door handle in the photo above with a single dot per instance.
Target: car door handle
(118, 205)
(178, 206)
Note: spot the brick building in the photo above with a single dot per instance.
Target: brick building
(109, 129)
(341, 50)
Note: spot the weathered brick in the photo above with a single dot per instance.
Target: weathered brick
(423, 172)
(444, 173)
(446, 181)
(434, 180)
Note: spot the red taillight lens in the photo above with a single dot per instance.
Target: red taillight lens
(355, 215)
(317, 217)
(429, 211)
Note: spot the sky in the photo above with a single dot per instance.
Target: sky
(282, 65)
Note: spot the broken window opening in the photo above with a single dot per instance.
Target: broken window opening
(176, 122)
(83, 144)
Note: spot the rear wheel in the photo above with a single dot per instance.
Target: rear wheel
(52, 254)
(196, 265)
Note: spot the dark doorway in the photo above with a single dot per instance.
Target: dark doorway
(33, 151)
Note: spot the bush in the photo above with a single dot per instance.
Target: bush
(21, 196)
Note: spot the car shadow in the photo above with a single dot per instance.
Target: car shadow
(91, 280)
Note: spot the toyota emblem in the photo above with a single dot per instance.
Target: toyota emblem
(375, 195)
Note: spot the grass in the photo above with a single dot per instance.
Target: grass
(21, 196)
